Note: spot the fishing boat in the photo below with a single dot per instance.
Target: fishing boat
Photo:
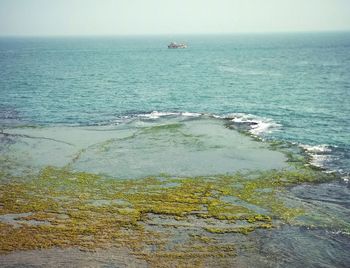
(176, 45)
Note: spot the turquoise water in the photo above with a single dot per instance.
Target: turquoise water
(298, 84)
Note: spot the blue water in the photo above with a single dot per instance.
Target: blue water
(299, 81)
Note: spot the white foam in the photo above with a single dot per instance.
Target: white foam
(322, 148)
(191, 114)
(346, 179)
(258, 125)
(156, 114)
(263, 127)
(320, 154)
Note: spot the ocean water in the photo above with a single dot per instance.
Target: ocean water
(129, 107)
(297, 85)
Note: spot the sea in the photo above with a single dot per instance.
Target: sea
(295, 87)
(291, 88)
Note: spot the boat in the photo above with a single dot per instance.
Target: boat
(176, 45)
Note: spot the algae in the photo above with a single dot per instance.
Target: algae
(69, 203)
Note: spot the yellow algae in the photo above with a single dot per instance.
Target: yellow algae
(89, 211)
(202, 238)
(259, 217)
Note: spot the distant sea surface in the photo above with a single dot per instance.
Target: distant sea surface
(288, 87)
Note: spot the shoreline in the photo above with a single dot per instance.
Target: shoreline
(161, 219)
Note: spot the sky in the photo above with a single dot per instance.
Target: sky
(138, 17)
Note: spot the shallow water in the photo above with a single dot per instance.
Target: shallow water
(177, 146)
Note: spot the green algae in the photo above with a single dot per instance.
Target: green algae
(69, 202)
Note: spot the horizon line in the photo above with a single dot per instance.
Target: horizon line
(176, 34)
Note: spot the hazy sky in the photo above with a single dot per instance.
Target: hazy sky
(124, 17)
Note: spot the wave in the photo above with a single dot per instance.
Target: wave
(319, 154)
(323, 148)
(256, 126)
(253, 124)
(156, 114)
(329, 158)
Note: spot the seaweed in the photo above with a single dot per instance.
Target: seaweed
(91, 211)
